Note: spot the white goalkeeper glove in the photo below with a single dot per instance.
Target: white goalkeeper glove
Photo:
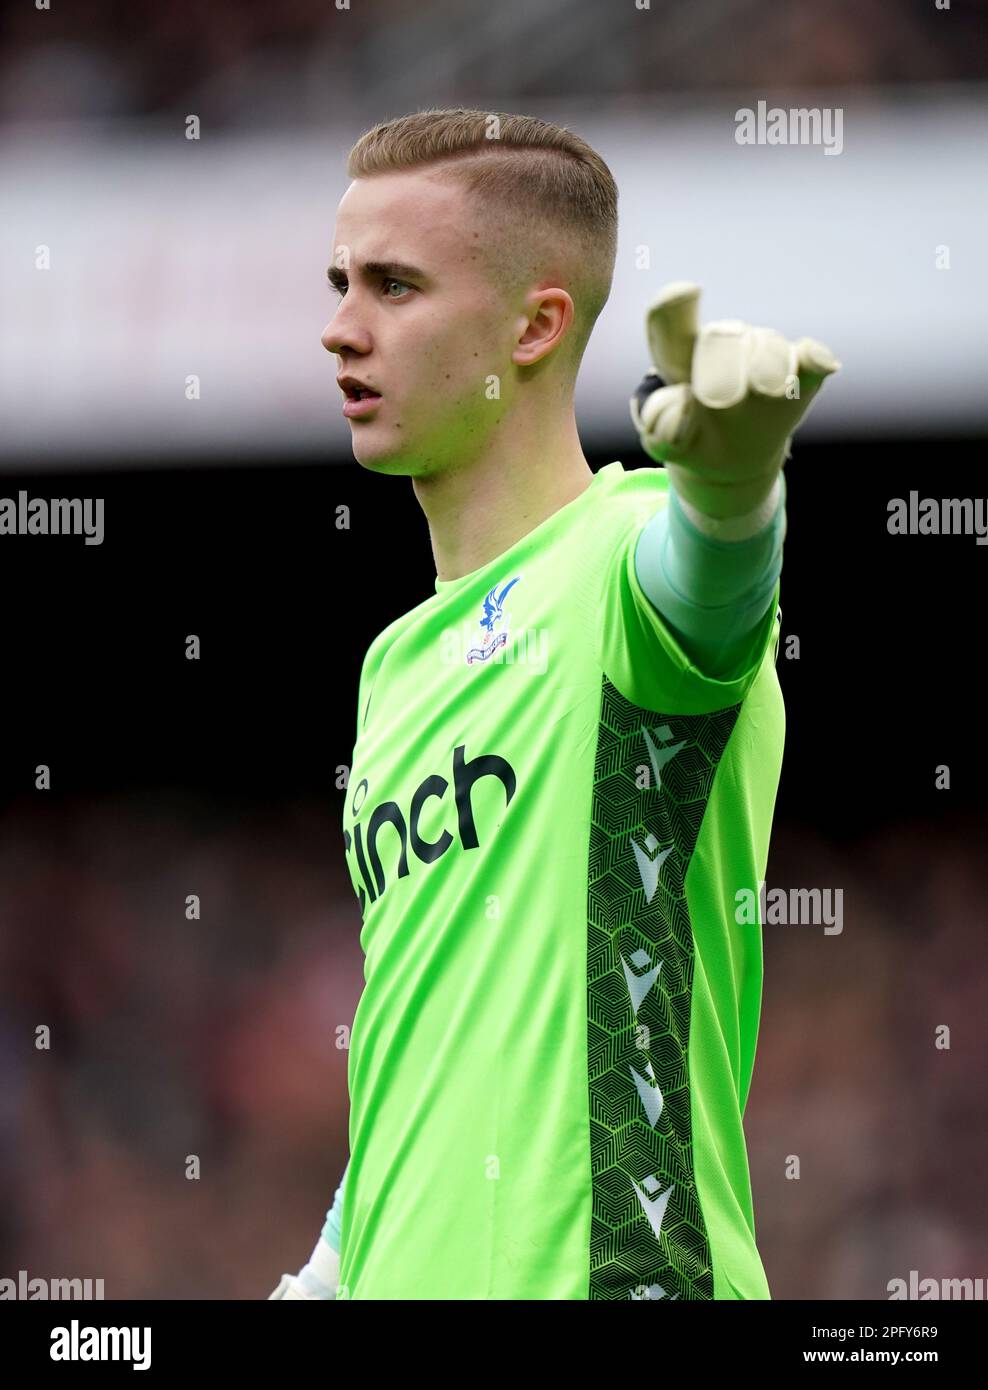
(722, 401)
(315, 1280)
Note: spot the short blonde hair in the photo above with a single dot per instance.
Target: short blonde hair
(538, 186)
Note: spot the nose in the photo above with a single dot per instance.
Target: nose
(343, 333)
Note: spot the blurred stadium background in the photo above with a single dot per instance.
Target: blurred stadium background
(171, 257)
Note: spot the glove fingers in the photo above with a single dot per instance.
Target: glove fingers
(732, 361)
(729, 396)
(720, 364)
(815, 358)
(672, 324)
(662, 417)
(773, 365)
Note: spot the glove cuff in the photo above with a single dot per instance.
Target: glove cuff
(320, 1276)
(734, 528)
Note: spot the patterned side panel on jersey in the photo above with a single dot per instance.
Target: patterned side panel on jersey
(652, 781)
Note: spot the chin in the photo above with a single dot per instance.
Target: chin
(379, 460)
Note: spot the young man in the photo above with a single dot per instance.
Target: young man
(567, 757)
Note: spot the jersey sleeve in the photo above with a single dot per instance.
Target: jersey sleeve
(642, 656)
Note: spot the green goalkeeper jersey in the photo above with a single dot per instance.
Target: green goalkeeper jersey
(550, 815)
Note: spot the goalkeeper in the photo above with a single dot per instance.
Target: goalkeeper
(552, 1054)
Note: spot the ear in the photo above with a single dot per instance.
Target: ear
(550, 315)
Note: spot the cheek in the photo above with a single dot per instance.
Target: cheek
(454, 373)
(453, 365)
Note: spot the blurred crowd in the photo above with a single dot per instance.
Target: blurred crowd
(251, 63)
(221, 1039)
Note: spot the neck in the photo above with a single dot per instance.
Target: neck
(479, 509)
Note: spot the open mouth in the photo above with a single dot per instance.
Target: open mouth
(355, 390)
(360, 401)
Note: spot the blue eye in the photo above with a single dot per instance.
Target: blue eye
(342, 287)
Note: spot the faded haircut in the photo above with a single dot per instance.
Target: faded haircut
(543, 195)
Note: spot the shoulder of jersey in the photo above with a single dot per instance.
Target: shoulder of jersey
(630, 499)
(379, 645)
(652, 481)
(394, 628)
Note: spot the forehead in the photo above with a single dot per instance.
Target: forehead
(408, 216)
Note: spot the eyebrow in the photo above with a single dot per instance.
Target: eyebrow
(398, 270)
